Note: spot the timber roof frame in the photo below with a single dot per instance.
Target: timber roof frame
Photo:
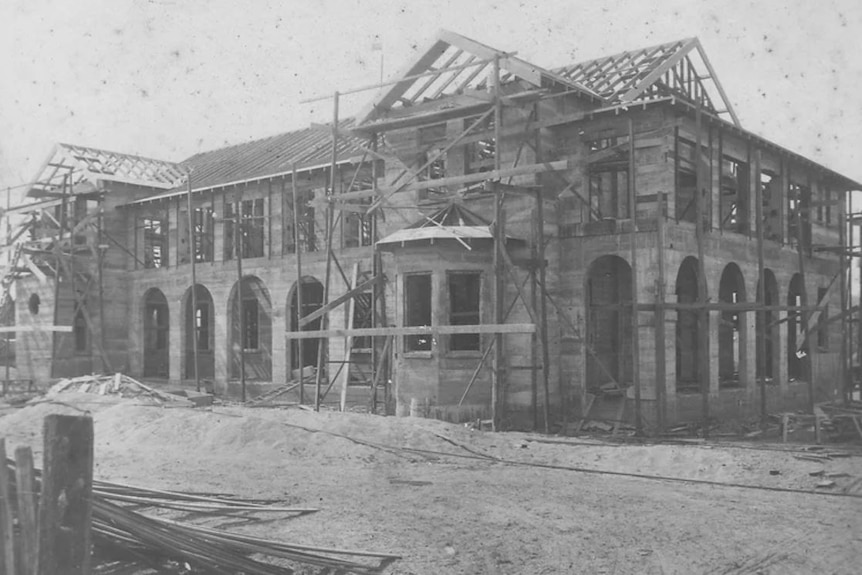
(654, 72)
(448, 61)
(69, 165)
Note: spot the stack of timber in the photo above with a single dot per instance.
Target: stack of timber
(137, 530)
(116, 384)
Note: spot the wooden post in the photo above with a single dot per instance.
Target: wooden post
(702, 313)
(237, 242)
(803, 315)
(65, 509)
(499, 246)
(842, 237)
(660, 336)
(534, 340)
(329, 233)
(298, 251)
(28, 558)
(7, 525)
(348, 341)
(543, 312)
(760, 314)
(194, 302)
(634, 267)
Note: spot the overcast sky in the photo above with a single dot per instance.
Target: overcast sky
(168, 79)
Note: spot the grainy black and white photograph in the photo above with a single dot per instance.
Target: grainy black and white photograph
(502, 287)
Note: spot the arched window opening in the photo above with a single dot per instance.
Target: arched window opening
(731, 332)
(609, 326)
(688, 339)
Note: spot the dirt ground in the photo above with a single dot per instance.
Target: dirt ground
(452, 500)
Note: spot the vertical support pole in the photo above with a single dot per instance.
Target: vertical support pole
(348, 341)
(857, 217)
(760, 314)
(101, 276)
(28, 558)
(194, 302)
(660, 336)
(329, 233)
(66, 497)
(534, 338)
(499, 246)
(842, 239)
(634, 266)
(377, 289)
(702, 313)
(238, 247)
(7, 525)
(803, 316)
(297, 247)
(543, 311)
(8, 350)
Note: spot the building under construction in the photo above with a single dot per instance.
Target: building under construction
(487, 239)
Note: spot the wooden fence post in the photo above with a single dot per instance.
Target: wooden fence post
(65, 510)
(7, 535)
(25, 481)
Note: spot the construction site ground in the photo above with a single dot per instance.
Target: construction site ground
(449, 499)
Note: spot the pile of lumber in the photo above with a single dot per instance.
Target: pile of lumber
(116, 384)
(139, 530)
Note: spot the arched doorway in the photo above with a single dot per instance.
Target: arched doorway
(156, 334)
(255, 341)
(688, 339)
(767, 330)
(731, 327)
(609, 326)
(797, 348)
(312, 300)
(198, 328)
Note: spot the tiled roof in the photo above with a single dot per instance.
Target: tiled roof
(306, 148)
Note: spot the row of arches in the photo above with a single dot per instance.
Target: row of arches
(249, 327)
(608, 298)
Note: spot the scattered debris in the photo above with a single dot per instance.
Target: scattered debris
(117, 384)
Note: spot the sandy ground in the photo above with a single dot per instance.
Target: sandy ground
(448, 504)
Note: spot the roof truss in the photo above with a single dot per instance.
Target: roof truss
(454, 64)
(69, 166)
(678, 69)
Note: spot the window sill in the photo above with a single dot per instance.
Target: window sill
(464, 353)
(418, 354)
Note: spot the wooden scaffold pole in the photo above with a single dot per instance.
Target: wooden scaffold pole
(329, 233)
(632, 198)
(499, 276)
(760, 314)
(660, 355)
(194, 296)
(238, 246)
(702, 313)
(298, 251)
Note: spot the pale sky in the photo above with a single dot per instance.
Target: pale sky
(168, 79)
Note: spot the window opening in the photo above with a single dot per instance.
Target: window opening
(155, 242)
(417, 310)
(734, 195)
(479, 155)
(250, 319)
(464, 308)
(307, 239)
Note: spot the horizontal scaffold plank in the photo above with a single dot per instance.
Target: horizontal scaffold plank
(460, 180)
(33, 328)
(414, 330)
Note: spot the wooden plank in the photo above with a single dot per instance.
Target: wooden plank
(462, 180)
(348, 342)
(320, 312)
(414, 330)
(35, 328)
(65, 510)
(28, 559)
(7, 526)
